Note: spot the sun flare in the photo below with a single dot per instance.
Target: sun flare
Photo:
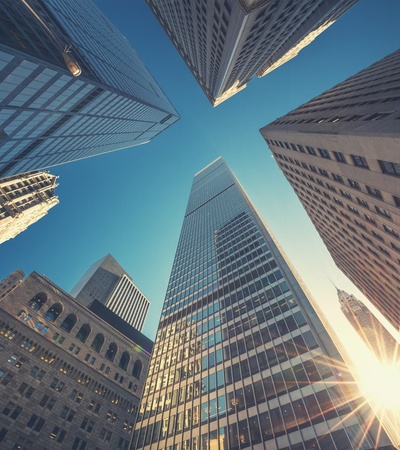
(380, 384)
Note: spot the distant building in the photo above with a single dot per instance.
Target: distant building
(373, 333)
(225, 43)
(10, 282)
(108, 283)
(49, 117)
(241, 358)
(340, 153)
(24, 199)
(68, 379)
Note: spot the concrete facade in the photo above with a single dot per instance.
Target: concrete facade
(225, 43)
(340, 153)
(24, 199)
(67, 378)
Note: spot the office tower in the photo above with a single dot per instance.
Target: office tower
(340, 153)
(24, 199)
(241, 359)
(108, 283)
(48, 116)
(373, 333)
(225, 43)
(68, 379)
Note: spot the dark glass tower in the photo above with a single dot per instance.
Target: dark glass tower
(49, 117)
(241, 359)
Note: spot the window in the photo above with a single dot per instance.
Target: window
(324, 172)
(337, 178)
(57, 434)
(38, 301)
(339, 156)
(98, 342)
(57, 385)
(391, 168)
(311, 150)
(22, 443)
(360, 161)
(87, 425)
(75, 395)
(353, 184)
(391, 231)
(79, 444)
(83, 333)
(374, 192)
(67, 414)
(396, 200)
(362, 202)
(68, 323)
(124, 361)
(137, 369)
(111, 351)
(35, 423)
(53, 312)
(383, 212)
(105, 435)
(324, 153)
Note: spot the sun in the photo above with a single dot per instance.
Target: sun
(380, 385)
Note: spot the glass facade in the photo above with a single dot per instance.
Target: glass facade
(241, 359)
(47, 116)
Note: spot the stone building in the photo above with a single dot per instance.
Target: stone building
(340, 153)
(68, 379)
(24, 199)
(225, 43)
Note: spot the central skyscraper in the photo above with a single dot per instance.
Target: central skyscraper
(226, 42)
(241, 358)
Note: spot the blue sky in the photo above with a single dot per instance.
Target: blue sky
(131, 203)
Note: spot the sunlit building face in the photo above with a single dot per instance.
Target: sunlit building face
(241, 359)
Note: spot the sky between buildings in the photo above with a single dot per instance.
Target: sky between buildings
(131, 203)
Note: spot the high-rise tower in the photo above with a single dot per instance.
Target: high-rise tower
(241, 359)
(373, 333)
(225, 43)
(24, 199)
(108, 283)
(48, 116)
(340, 153)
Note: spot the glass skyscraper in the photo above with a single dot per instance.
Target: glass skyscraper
(49, 117)
(241, 359)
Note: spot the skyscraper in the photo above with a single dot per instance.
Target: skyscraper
(340, 153)
(225, 43)
(108, 283)
(24, 199)
(48, 116)
(241, 359)
(373, 333)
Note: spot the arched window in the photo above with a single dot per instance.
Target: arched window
(137, 369)
(124, 361)
(84, 332)
(111, 351)
(53, 312)
(98, 342)
(38, 301)
(69, 322)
